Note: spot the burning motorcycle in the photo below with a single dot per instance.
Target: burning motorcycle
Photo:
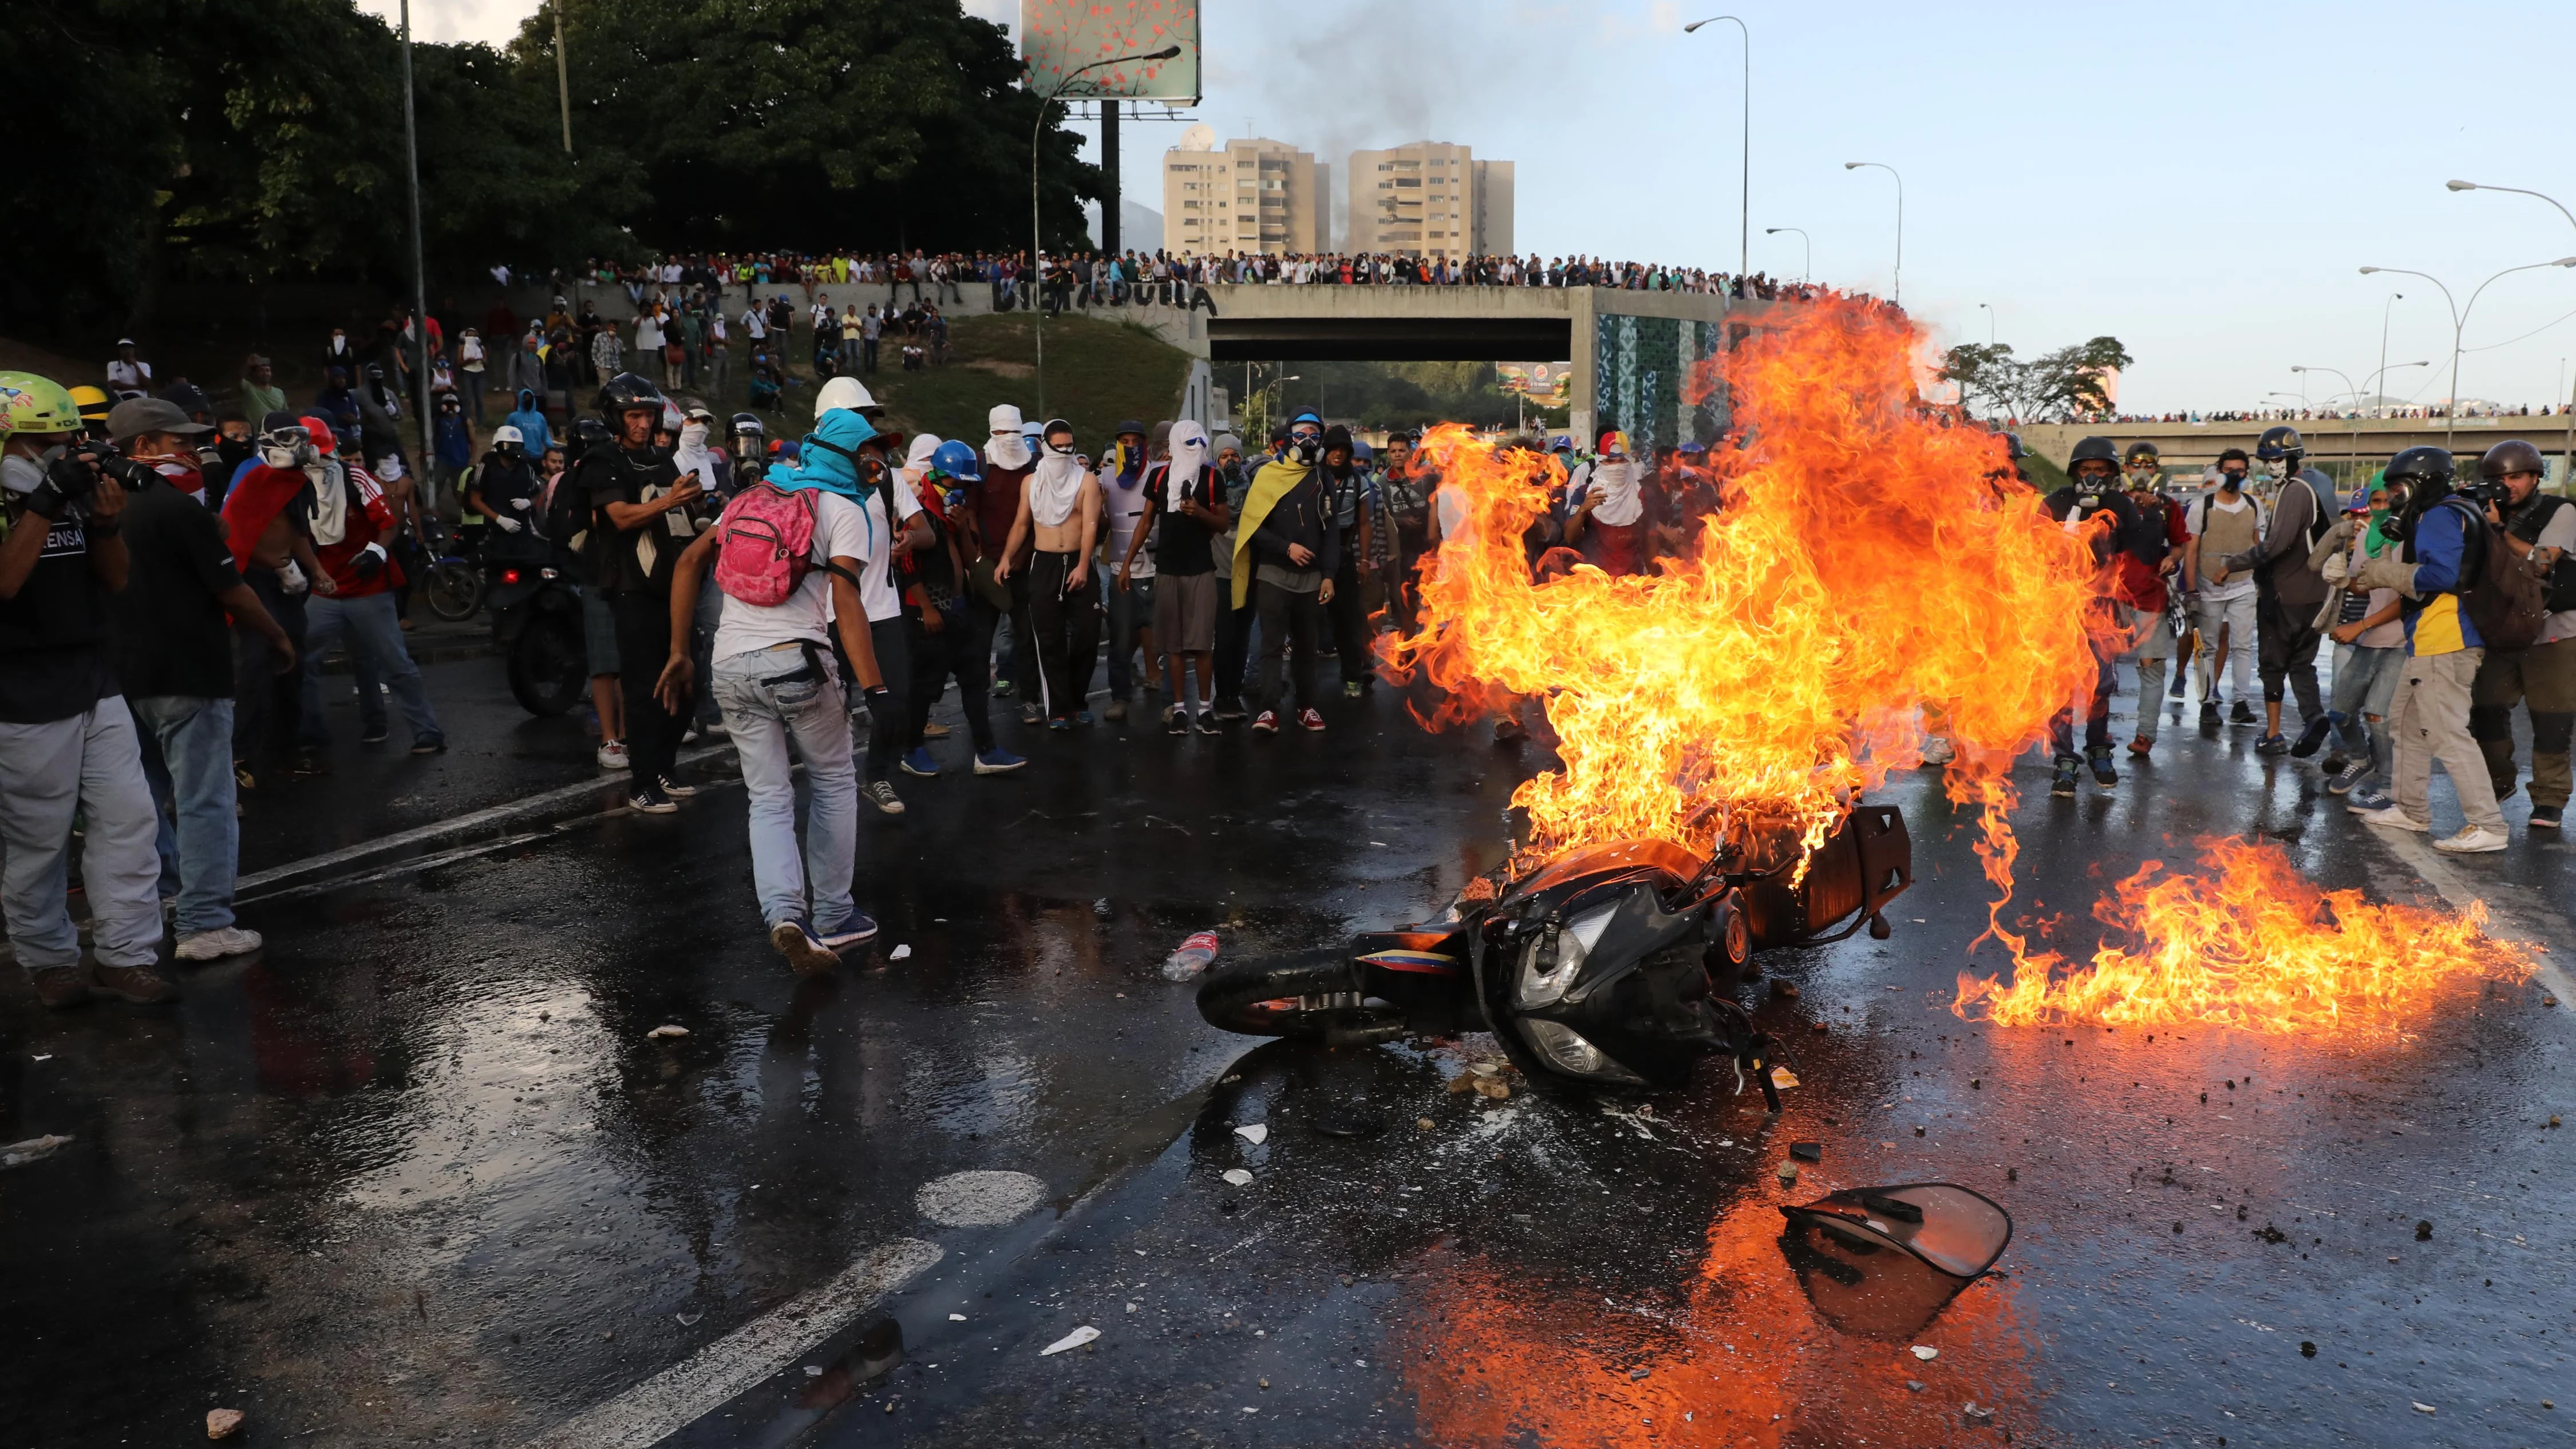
(1614, 964)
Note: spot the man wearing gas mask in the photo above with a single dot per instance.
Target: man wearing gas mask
(67, 739)
(2288, 593)
(2094, 466)
(2223, 522)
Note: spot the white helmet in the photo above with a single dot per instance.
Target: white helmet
(844, 392)
(508, 434)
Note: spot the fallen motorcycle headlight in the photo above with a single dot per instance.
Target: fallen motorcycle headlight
(1570, 1052)
(1554, 955)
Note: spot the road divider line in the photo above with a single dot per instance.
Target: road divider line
(457, 825)
(2508, 922)
(742, 1360)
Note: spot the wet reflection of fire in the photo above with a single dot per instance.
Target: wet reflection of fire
(1741, 1359)
(2246, 941)
(1865, 567)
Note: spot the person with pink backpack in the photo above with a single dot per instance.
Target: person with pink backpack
(787, 553)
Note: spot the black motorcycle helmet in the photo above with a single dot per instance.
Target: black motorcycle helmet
(2513, 455)
(626, 393)
(2142, 451)
(2424, 475)
(750, 437)
(2281, 443)
(587, 433)
(2094, 450)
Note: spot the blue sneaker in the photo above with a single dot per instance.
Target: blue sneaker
(1082, 716)
(2349, 778)
(1061, 725)
(2368, 801)
(997, 761)
(859, 927)
(917, 761)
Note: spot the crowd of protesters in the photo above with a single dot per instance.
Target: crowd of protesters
(2247, 571)
(171, 580)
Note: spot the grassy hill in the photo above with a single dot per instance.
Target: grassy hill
(1097, 374)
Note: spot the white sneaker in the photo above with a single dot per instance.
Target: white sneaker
(612, 755)
(2394, 818)
(2474, 841)
(217, 944)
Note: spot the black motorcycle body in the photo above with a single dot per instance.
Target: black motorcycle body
(1615, 964)
(536, 623)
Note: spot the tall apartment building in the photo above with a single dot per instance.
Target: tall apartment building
(1251, 196)
(1430, 199)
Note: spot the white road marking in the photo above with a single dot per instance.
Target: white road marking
(738, 1362)
(457, 825)
(2532, 924)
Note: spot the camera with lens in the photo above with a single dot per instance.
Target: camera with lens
(2487, 493)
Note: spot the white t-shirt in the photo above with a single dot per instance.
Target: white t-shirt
(876, 581)
(2560, 533)
(1121, 509)
(840, 531)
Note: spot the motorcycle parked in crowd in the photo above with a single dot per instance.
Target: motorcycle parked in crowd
(536, 623)
(1613, 964)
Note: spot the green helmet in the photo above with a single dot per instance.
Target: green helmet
(32, 404)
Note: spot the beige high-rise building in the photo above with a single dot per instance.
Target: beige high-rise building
(1430, 199)
(1250, 196)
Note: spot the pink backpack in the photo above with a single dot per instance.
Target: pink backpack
(765, 545)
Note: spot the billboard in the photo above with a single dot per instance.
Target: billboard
(1548, 384)
(1060, 37)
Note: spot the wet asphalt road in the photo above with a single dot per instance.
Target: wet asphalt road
(418, 1174)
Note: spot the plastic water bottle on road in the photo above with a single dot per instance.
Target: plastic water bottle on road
(1192, 957)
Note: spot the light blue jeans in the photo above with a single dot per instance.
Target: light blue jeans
(2365, 686)
(90, 764)
(770, 696)
(188, 758)
(375, 642)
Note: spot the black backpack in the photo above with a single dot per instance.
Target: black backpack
(2505, 599)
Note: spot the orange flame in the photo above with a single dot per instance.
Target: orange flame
(2247, 941)
(1865, 565)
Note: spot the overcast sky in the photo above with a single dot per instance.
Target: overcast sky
(2202, 181)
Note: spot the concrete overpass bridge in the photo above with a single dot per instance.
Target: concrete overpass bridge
(2337, 445)
(1631, 352)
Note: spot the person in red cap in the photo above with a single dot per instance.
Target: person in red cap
(350, 523)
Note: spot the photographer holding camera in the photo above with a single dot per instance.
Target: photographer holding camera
(2541, 528)
(67, 741)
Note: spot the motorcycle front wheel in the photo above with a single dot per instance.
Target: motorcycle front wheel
(549, 673)
(1316, 995)
(455, 589)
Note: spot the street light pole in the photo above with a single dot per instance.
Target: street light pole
(1807, 261)
(1897, 295)
(419, 278)
(1037, 235)
(2567, 452)
(1989, 309)
(563, 78)
(1744, 169)
(2352, 447)
(2460, 322)
(2385, 308)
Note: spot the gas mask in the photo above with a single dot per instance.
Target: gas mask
(20, 474)
(2277, 469)
(2232, 481)
(1306, 445)
(746, 447)
(286, 448)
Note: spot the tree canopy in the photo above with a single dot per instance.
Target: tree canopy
(261, 140)
(2070, 384)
